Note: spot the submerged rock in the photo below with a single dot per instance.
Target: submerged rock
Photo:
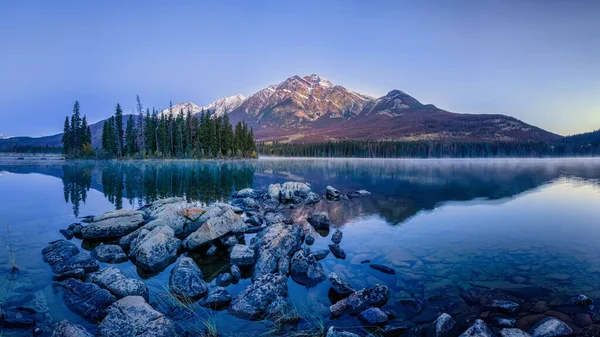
(373, 317)
(335, 332)
(113, 280)
(64, 257)
(113, 225)
(320, 254)
(186, 280)
(361, 300)
(68, 329)
(337, 236)
(86, 299)
(214, 228)
(278, 241)
(132, 316)
(341, 287)
(337, 251)
(504, 306)
(550, 327)
(78, 261)
(581, 300)
(478, 329)
(109, 254)
(306, 270)
(242, 255)
(319, 221)
(443, 325)
(383, 269)
(332, 193)
(154, 250)
(216, 299)
(254, 300)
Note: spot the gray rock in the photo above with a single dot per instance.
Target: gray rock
(337, 251)
(341, 287)
(310, 240)
(109, 254)
(212, 250)
(306, 270)
(155, 250)
(373, 317)
(276, 242)
(513, 332)
(283, 266)
(113, 225)
(505, 322)
(77, 273)
(443, 325)
(86, 299)
(78, 261)
(113, 280)
(581, 300)
(182, 216)
(361, 300)
(58, 252)
(236, 273)
(254, 221)
(186, 280)
(335, 332)
(214, 228)
(274, 191)
(478, 329)
(312, 198)
(217, 298)
(67, 233)
(229, 240)
(254, 300)
(247, 193)
(291, 189)
(224, 280)
(332, 193)
(383, 269)
(504, 306)
(321, 254)
(319, 220)
(132, 316)
(550, 327)
(358, 194)
(337, 236)
(68, 329)
(242, 255)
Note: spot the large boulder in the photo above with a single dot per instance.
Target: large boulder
(68, 329)
(255, 299)
(78, 261)
(109, 253)
(113, 280)
(86, 299)
(247, 193)
(64, 257)
(186, 280)
(132, 316)
(274, 191)
(154, 250)
(276, 242)
(332, 193)
(291, 190)
(113, 225)
(478, 329)
(361, 300)
(341, 287)
(242, 255)
(306, 270)
(443, 325)
(214, 228)
(550, 327)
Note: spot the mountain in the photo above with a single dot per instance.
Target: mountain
(182, 106)
(312, 109)
(225, 105)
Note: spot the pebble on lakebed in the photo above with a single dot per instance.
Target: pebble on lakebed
(156, 236)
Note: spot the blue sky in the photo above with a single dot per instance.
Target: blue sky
(535, 60)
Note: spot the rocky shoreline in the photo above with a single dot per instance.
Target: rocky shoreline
(174, 231)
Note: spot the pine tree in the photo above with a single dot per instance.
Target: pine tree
(226, 136)
(119, 131)
(66, 138)
(75, 139)
(130, 134)
(141, 131)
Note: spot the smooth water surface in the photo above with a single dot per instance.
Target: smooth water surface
(443, 225)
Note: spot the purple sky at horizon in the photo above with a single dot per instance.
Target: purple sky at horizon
(534, 60)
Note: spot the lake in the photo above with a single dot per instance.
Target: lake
(528, 227)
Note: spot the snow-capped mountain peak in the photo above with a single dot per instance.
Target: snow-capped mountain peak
(224, 105)
(181, 106)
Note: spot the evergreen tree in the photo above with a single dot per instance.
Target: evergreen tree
(75, 139)
(130, 134)
(118, 123)
(140, 138)
(66, 138)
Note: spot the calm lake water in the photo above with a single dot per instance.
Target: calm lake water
(532, 226)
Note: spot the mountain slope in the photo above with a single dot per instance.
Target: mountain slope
(225, 105)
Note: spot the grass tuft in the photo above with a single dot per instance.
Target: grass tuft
(195, 319)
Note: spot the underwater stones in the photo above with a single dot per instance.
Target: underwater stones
(443, 325)
(276, 242)
(413, 304)
(332, 193)
(253, 301)
(373, 317)
(336, 237)
(504, 306)
(550, 327)
(581, 300)
(68, 329)
(513, 332)
(242, 255)
(224, 280)
(500, 299)
(64, 256)
(132, 316)
(214, 228)
(306, 270)
(337, 251)
(216, 299)
(319, 220)
(186, 280)
(320, 254)
(109, 254)
(113, 225)
(335, 332)
(361, 300)
(341, 287)
(113, 280)
(153, 251)
(478, 329)
(383, 269)
(86, 299)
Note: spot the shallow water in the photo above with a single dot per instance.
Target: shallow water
(444, 225)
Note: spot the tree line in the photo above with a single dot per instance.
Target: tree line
(77, 137)
(427, 149)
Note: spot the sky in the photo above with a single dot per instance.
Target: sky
(538, 61)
